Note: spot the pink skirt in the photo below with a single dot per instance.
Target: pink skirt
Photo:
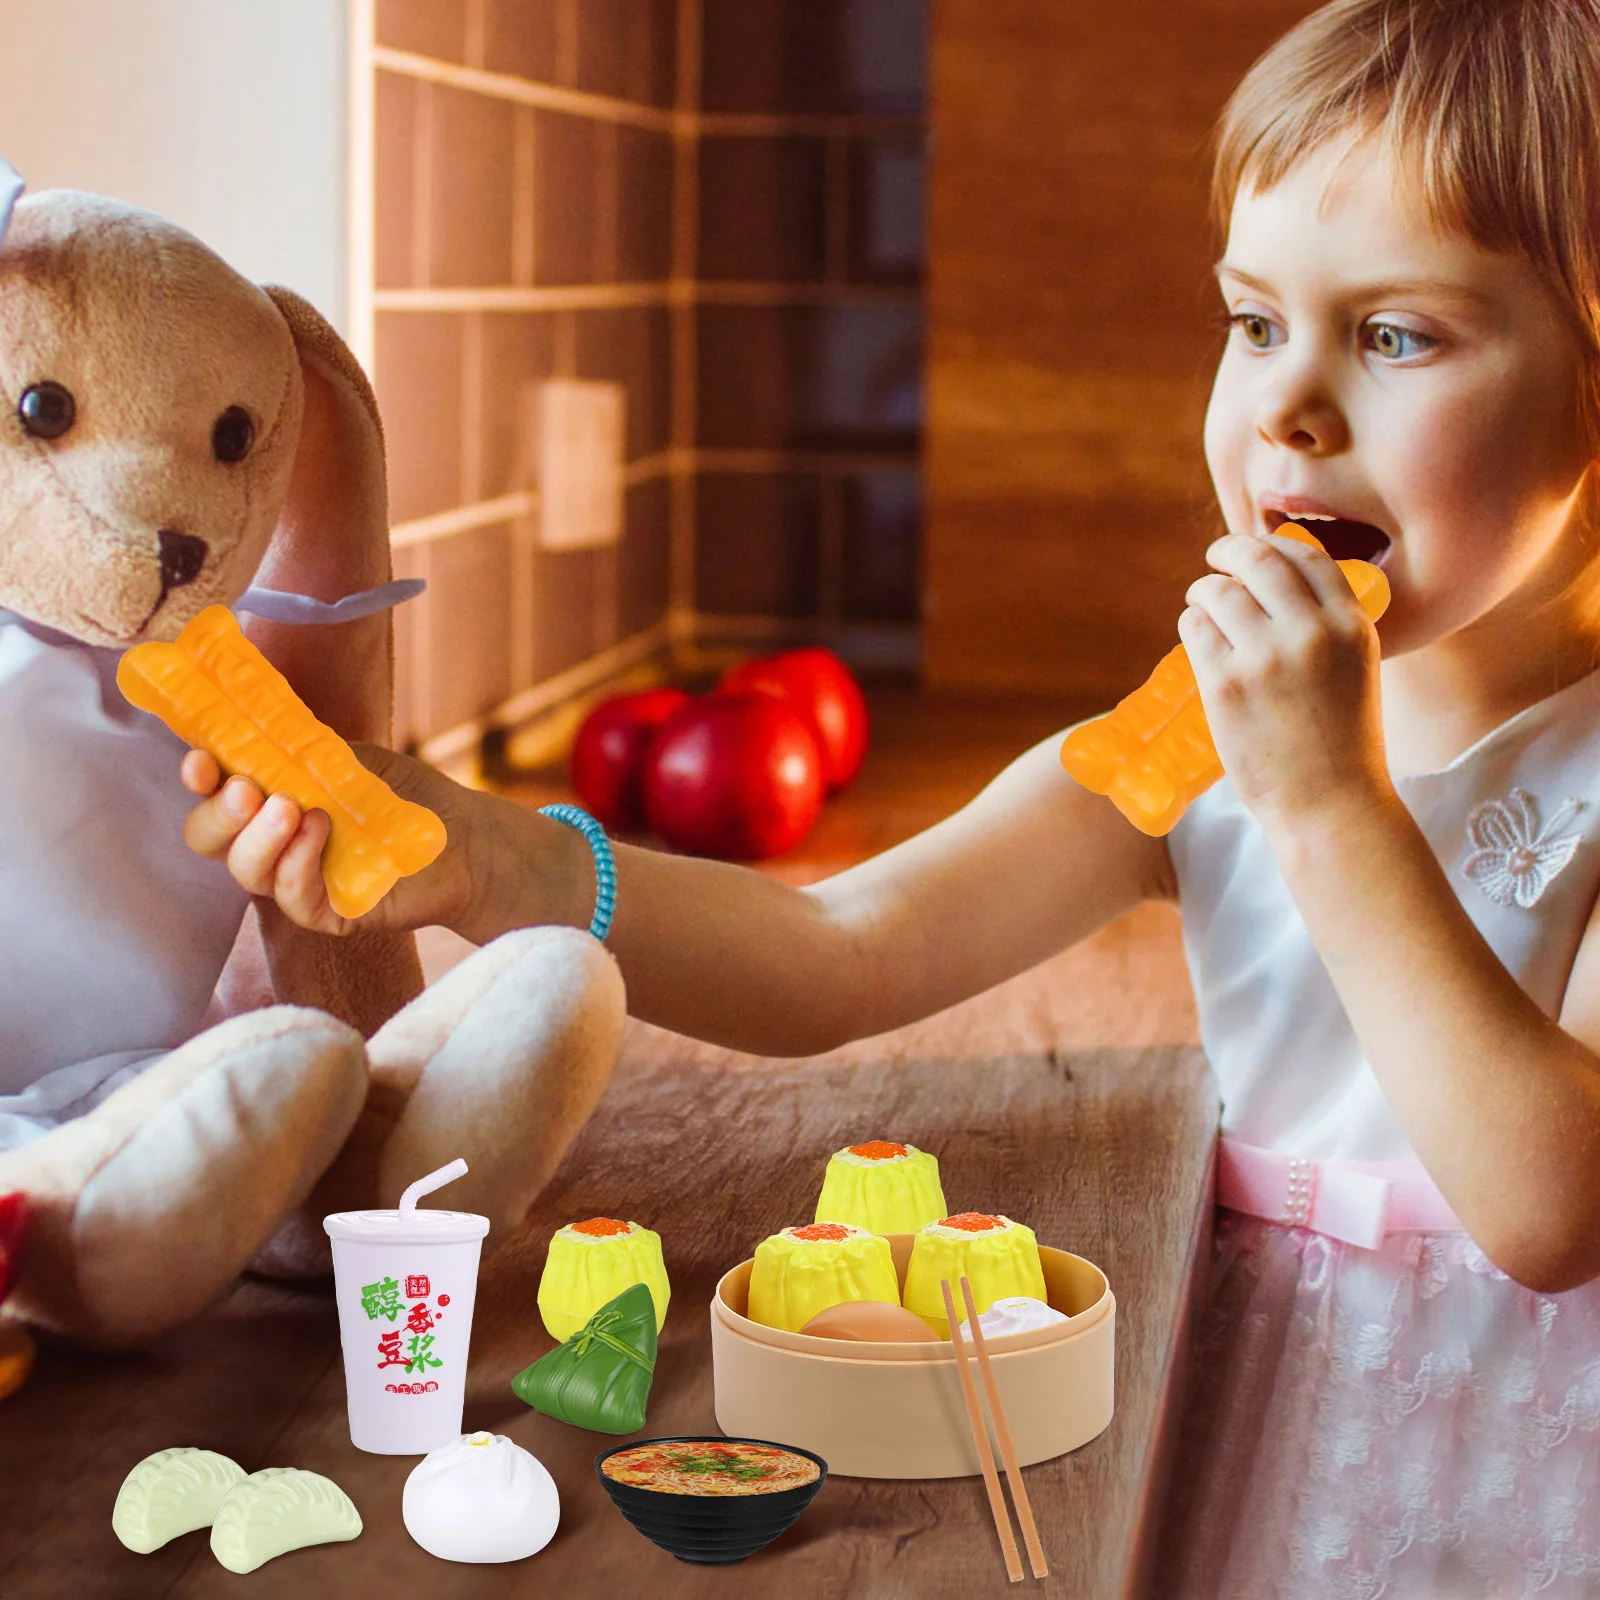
(1405, 1422)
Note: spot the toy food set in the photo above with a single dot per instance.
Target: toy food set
(279, 1509)
(881, 1186)
(1152, 754)
(217, 691)
(600, 1377)
(481, 1498)
(252, 1516)
(999, 1255)
(170, 1493)
(875, 1399)
(590, 1263)
(1016, 1314)
(406, 1281)
(980, 1436)
(871, 1322)
(801, 1271)
(710, 1501)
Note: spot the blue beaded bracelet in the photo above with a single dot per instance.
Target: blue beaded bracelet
(605, 866)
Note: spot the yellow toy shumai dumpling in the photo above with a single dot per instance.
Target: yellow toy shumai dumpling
(999, 1257)
(591, 1263)
(881, 1186)
(801, 1271)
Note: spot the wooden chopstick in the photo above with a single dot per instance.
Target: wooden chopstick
(1019, 1494)
(980, 1437)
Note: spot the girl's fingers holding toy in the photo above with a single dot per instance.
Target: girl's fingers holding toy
(1270, 569)
(200, 772)
(1200, 635)
(1228, 605)
(1320, 573)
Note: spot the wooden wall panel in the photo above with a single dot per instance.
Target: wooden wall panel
(1070, 346)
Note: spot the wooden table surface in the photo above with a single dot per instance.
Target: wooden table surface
(1106, 1153)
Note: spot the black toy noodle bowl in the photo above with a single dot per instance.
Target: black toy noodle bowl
(710, 1529)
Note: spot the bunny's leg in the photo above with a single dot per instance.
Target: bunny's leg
(500, 1062)
(146, 1208)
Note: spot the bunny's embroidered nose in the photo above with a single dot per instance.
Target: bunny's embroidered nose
(182, 556)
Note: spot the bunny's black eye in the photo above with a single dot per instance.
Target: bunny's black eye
(46, 410)
(233, 435)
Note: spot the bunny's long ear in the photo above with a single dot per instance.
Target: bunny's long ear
(332, 540)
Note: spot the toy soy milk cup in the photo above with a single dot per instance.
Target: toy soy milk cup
(405, 1281)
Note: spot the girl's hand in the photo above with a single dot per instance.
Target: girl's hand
(274, 850)
(1287, 664)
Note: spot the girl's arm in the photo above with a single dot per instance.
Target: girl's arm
(1030, 866)
(724, 953)
(1500, 1101)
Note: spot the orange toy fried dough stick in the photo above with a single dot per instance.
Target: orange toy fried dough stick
(1152, 753)
(215, 690)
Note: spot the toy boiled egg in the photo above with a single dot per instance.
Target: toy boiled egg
(871, 1322)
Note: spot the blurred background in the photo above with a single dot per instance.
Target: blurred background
(706, 327)
(884, 320)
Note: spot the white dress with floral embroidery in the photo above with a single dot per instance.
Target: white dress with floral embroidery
(1404, 1422)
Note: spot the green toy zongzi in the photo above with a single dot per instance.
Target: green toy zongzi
(600, 1377)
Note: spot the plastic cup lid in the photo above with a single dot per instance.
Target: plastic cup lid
(418, 1226)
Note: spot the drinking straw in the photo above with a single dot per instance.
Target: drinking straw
(980, 1437)
(434, 1180)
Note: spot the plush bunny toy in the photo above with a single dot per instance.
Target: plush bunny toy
(186, 1085)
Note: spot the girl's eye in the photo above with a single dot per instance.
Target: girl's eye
(1251, 321)
(1392, 346)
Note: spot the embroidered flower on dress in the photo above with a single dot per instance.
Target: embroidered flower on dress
(1513, 859)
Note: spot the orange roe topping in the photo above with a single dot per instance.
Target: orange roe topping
(833, 1232)
(601, 1227)
(973, 1222)
(878, 1150)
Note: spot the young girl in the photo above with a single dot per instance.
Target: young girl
(1389, 904)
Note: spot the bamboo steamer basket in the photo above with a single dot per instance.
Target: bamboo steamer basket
(896, 1410)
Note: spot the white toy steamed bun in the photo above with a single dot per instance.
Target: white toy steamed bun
(1017, 1313)
(482, 1498)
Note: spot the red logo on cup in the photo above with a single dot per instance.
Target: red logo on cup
(417, 1288)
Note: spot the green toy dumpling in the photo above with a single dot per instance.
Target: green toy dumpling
(170, 1493)
(276, 1510)
(600, 1377)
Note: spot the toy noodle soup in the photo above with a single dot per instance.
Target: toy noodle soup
(711, 1468)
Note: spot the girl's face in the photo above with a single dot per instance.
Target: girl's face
(1415, 382)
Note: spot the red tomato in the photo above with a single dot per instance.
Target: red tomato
(13, 1230)
(733, 775)
(608, 755)
(825, 694)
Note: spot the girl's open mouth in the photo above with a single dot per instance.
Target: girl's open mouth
(1341, 538)
(1344, 540)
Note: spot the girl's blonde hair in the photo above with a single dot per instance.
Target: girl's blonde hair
(1494, 105)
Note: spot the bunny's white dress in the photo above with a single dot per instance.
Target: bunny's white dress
(113, 934)
(1393, 1418)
